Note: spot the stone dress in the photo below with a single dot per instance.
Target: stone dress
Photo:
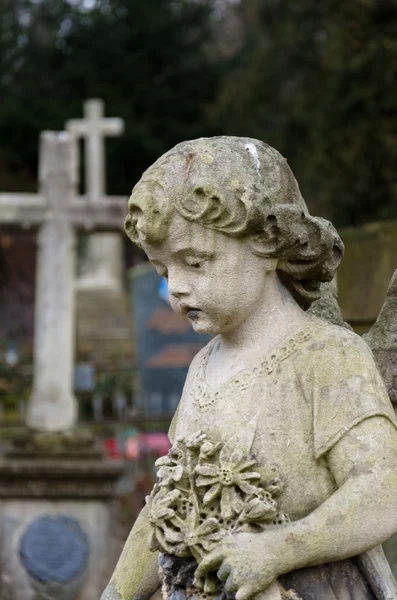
(300, 400)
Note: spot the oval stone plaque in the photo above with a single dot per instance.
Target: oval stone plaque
(54, 549)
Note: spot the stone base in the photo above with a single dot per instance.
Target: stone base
(56, 520)
(104, 326)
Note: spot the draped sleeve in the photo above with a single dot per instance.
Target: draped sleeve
(345, 387)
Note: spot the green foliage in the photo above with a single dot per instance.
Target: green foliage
(147, 60)
(318, 81)
(315, 79)
(15, 386)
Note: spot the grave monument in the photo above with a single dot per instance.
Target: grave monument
(282, 479)
(55, 486)
(104, 326)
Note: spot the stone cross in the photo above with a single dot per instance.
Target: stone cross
(58, 212)
(102, 268)
(93, 128)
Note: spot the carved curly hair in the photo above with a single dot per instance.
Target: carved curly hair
(240, 187)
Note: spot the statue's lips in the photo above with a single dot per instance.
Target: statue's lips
(192, 313)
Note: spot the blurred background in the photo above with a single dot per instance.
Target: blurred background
(316, 80)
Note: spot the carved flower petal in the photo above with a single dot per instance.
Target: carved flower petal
(164, 461)
(207, 470)
(172, 536)
(208, 526)
(237, 504)
(212, 493)
(216, 536)
(258, 511)
(164, 472)
(161, 539)
(275, 487)
(247, 488)
(245, 465)
(227, 497)
(165, 482)
(170, 498)
(201, 481)
(177, 473)
(208, 449)
(162, 513)
(248, 476)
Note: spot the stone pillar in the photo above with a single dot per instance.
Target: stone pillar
(52, 406)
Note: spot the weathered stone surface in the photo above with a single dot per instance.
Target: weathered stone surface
(52, 405)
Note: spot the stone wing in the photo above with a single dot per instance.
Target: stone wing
(382, 339)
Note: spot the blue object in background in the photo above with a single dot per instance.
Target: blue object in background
(165, 343)
(54, 549)
(163, 290)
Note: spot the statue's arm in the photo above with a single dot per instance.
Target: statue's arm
(358, 516)
(136, 574)
(361, 513)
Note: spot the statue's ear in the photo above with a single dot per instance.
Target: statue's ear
(268, 241)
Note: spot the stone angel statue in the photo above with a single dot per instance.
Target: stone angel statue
(281, 482)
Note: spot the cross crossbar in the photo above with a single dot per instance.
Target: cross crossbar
(32, 210)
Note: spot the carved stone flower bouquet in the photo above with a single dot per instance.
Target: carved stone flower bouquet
(206, 491)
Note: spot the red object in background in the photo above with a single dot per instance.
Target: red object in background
(132, 448)
(138, 446)
(155, 444)
(113, 450)
(146, 444)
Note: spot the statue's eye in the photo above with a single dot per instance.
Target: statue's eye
(195, 263)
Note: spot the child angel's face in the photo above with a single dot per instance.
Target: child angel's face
(215, 282)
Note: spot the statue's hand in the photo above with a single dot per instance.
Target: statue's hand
(248, 563)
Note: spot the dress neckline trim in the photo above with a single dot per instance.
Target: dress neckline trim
(206, 395)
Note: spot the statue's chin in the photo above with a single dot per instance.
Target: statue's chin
(204, 326)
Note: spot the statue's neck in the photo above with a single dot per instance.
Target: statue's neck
(277, 316)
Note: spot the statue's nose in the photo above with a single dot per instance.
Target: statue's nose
(177, 286)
